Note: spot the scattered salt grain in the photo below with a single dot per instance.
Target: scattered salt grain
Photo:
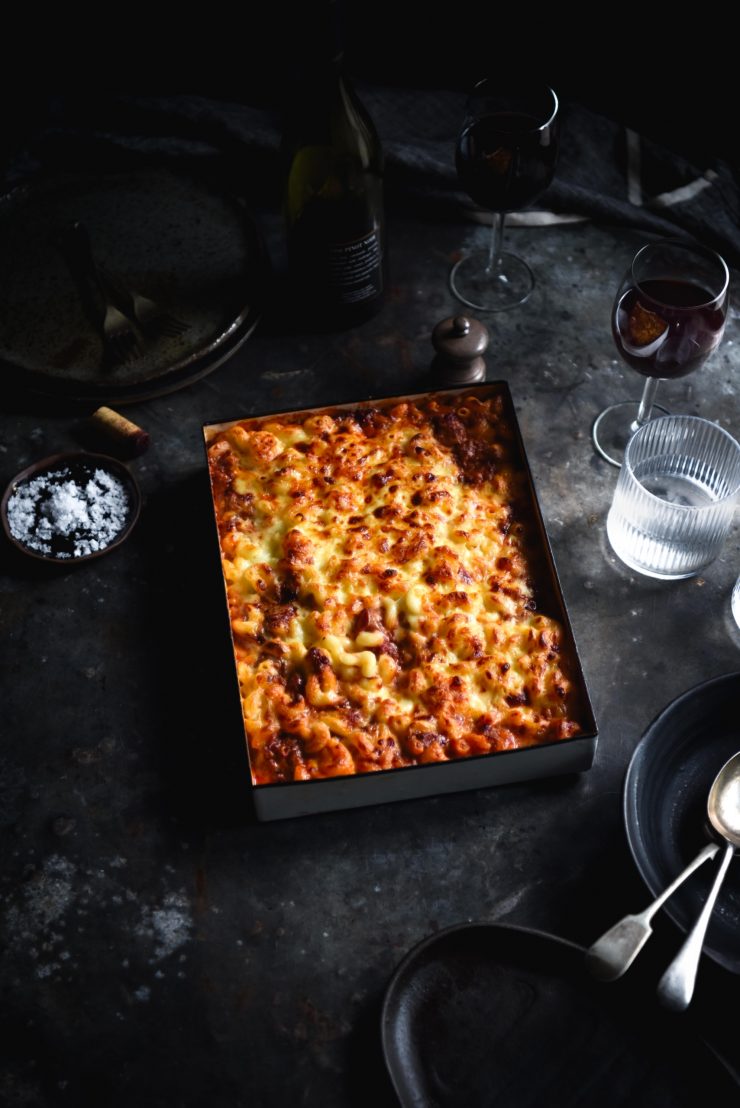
(66, 514)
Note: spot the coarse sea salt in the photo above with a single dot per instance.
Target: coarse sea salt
(68, 513)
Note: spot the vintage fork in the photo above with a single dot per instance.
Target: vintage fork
(119, 337)
(154, 319)
(150, 316)
(119, 334)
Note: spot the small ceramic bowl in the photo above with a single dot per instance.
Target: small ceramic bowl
(75, 466)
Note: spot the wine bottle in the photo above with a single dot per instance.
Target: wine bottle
(334, 196)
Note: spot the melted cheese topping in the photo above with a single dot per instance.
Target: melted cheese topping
(380, 590)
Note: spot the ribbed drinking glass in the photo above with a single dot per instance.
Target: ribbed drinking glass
(675, 496)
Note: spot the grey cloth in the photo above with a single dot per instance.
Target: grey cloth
(600, 165)
(604, 172)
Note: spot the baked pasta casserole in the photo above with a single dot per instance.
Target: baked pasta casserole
(382, 588)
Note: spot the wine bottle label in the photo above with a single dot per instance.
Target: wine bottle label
(355, 269)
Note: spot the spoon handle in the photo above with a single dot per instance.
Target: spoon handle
(613, 954)
(676, 986)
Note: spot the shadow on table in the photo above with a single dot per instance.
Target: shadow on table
(204, 767)
(368, 1083)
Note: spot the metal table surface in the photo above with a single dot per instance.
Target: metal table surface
(163, 948)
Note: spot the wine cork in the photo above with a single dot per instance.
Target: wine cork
(127, 436)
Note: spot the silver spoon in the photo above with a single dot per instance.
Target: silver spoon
(676, 986)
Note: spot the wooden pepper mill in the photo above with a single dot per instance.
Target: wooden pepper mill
(460, 342)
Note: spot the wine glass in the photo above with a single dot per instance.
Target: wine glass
(668, 317)
(505, 157)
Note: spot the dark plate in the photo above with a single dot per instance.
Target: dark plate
(501, 1017)
(665, 807)
(171, 238)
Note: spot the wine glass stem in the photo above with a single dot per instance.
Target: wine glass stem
(497, 242)
(646, 402)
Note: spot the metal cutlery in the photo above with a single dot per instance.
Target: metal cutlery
(124, 316)
(121, 340)
(119, 336)
(615, 951)
(613, 954)
(153, 318)
(676, 986)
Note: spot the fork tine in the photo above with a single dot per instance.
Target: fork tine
(172, 327)
(122, 347)
(115, 357)
(167, 325)
(155, 318)
(131, 351)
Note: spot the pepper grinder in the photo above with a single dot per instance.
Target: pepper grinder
(460, 342)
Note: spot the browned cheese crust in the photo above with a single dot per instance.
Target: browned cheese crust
(380, 590)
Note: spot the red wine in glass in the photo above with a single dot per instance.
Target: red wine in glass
(504, 161)
(667, 319)
(505, 157)
(667, 328)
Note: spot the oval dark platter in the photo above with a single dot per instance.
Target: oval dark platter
(503, 1017)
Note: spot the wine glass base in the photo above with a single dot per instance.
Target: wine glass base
(613, 429)
(504, 286)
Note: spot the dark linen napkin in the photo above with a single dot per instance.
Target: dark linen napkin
(605, 171)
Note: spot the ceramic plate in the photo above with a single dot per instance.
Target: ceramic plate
(665, 807)
(170, 238)
(496, 1016)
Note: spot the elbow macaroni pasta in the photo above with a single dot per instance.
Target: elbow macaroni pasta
(381, 589)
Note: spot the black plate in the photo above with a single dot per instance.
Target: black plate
(502, 1017)
(665, 807)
